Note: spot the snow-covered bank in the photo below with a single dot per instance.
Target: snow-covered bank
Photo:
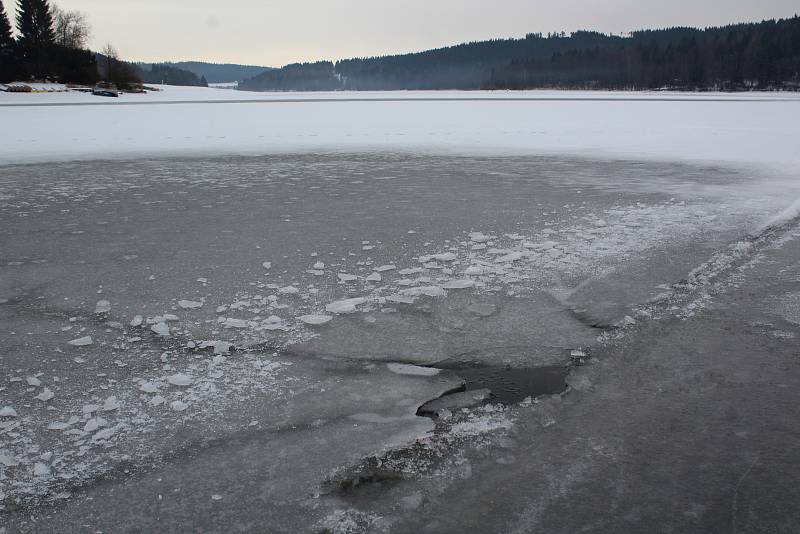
(755, 128)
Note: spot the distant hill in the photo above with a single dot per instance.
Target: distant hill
(216, 72)
(763, 55)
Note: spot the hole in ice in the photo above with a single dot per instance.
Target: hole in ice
(507, 385)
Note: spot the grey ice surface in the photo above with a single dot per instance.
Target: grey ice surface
(162, 373)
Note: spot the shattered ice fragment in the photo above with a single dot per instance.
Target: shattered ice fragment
(178, 405)
(458, 284)
(344, 306)
(216, 497)
(480, 237)
(288, 290)
(102, 306)
(8, 411)
(445, 257)
(319, 265)
(148, 387)
(161, 329)
(384, 268)
(137, 321)
(413, 370)
(158, 400)
(344, 277)
(104, 434)
(33, 381)
(7, 459)
(41, 470)
(45, 395)
(81, 342)
(180, 379)
(189, 304)
(315, 319)
(628, 321)
(374, 277)
(267, 265)
(234, 323)
(111, 404)
(93, 424)
(90, 408)
(429, 291)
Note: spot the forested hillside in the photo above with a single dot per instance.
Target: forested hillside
(763, 55)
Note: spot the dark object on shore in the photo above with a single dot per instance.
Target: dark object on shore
(106, 89)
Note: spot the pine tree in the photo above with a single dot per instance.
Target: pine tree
(36, 34)
(203, 81)
(6, 38)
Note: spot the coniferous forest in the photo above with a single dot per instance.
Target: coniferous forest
(763, 55)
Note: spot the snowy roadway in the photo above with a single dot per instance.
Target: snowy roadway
(225, 317)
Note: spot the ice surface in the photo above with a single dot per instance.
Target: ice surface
(752, 128)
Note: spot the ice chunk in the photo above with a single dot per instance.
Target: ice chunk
(384, 268)
(315, 319)
(267, 265)
(158, 400)
(178, 405)
(102, 306)
(81, 342)
(8, 411)
(445, 257)
(289, 290)
(161, 329)
(137, 321)
(410, 271)
(33, 381)
(41, 470)
(429, 291)
(400, 299)
(104, 434)
(111, 404)
(458, 284)
(479, 237)
(189, 304)
(344, 277)
(374, 277)
(7, 459)
(234, 323)
(413, 370)
(45, 395)
(180, 379)
(344, 306)
(319, 265)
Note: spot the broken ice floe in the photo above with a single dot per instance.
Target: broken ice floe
(315, 319)
(81, 342)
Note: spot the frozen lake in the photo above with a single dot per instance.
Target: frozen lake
(192, 278)
(243, 339)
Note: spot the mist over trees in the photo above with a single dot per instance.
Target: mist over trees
(763, 55)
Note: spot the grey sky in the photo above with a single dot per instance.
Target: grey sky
(275, 32)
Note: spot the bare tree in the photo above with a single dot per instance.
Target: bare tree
(71, 28)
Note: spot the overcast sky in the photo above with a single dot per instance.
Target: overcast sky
(276, 32)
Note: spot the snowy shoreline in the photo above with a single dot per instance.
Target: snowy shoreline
(754, 129)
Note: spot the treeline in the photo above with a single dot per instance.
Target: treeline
(50, 44)
(762, 55)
